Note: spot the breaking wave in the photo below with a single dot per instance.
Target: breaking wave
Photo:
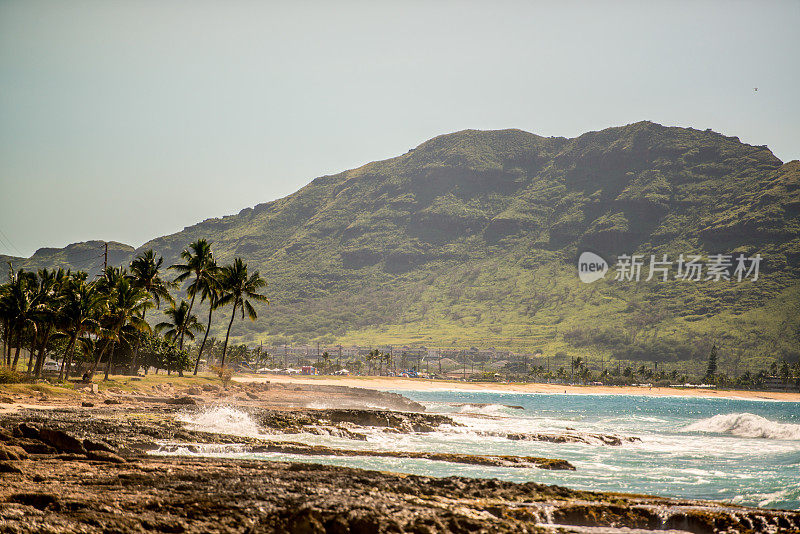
(746, 425)
(223, 420)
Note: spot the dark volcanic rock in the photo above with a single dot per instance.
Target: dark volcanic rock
(6, 467)
(100, 491)
(40, 501)
(91, 445)
(588, 438)
(35, 446)
(224, 495)
(28, 431)
(186, 401)
(104, 456)
(12, 452)
(61, 440)
(296, 421)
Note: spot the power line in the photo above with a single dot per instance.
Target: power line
(9, 242)
(82, 255)
(6, 245)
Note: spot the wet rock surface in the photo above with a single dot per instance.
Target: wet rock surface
(299, 420)
(102, 435)
(152, 494)
(588, 438)
(87, 470)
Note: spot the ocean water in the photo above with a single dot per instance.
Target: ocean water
(741, 451)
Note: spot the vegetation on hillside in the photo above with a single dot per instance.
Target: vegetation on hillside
(471, 239)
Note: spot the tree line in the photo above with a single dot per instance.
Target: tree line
(91, 319)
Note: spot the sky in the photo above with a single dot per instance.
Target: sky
(126, 121)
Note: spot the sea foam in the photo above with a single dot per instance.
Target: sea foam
(746, 425)
(223, 419)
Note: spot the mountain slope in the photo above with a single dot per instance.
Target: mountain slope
(85, 256)
(471, 239)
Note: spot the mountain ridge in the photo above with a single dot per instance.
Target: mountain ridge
(471, 237)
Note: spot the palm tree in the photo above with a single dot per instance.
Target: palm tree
(5, 316)
(372, 357)
(210, 291)
(106, 285)
(6, 313)
(145, 274)
(239, 288)
(110, 278)
(577, 365)
(125, 306)
(78, 315)
(200, 263)
(48, 301)
(326, 361)
(387, 358)
(180, 321)
(19, 306)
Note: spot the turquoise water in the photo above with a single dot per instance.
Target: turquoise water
(743, 451)
(723, 449)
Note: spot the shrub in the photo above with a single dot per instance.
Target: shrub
(224, 373)
(10, 376)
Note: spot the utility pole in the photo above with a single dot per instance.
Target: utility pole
(105, 256)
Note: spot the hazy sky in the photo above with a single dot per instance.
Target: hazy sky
(129, 120)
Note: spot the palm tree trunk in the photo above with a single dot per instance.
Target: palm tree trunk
(135, 363)
(188, 314)
(227, 334)
(10, 332)
(16, 351)
(205, 336)
(32, 351)
(5, 339)
(99, 357)
(37, 370)
(67, 360)
(108, 362)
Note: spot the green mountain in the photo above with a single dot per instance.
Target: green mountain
(86, 256)
(472, 239)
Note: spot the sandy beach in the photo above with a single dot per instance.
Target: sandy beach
(419, 384)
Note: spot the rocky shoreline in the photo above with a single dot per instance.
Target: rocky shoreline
(69, 468)
(82, 485)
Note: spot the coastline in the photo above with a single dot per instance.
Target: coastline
(80, 469)
(421, 384)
